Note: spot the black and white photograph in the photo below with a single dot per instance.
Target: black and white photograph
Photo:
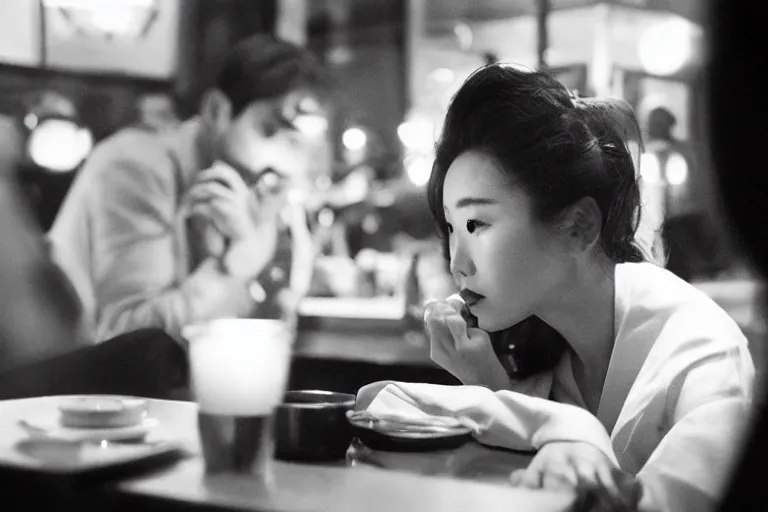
(382, 256)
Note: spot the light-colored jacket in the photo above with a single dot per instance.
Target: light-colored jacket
(123, 238)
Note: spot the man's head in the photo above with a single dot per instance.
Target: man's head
(265, 110)
(660, 124)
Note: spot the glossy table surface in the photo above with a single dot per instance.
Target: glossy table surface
(472, 477)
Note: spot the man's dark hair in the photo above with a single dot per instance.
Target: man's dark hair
(263, 66)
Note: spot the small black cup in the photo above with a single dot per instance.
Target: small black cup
(311, 425)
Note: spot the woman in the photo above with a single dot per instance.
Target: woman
(537, 199)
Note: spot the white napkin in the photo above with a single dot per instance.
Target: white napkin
(505, 419)
(395, 403)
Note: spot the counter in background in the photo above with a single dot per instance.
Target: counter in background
(374, 339)
(376, 331)
(358, 342)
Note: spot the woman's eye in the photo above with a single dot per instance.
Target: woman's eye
(473, 225)
(450, 228)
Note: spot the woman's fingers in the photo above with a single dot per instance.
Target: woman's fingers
(435, 315)
(458, 328)
(438, 308)
(455, 302)
(439, 342)
(586, 472)
(532, 479)
(604, 477)
(540, 478)
(448, 324)
(550, 480)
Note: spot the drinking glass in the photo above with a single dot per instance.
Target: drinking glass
(239, 371)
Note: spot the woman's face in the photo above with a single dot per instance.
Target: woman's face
(506, 262)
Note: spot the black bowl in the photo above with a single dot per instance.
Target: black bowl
(409, 441)
(311, 425)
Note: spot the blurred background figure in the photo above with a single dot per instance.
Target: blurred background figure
(40, 332)
(157, 112)
(206, 220)
(660, 125)
(690, 240)
(38, 313)
(10, 141)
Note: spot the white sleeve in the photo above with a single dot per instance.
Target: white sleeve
(708, 408)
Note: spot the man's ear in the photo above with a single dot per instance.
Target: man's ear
(216, 109)
(582, 222)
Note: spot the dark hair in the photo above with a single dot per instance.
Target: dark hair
(660, 124)
(663, 116)
(263, 66)
(558, 149)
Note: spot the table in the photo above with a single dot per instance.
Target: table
(472, 461)
(461, 480)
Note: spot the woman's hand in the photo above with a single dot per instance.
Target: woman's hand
(563, 464)
(599, 484)
(597, 498)
(466, 352)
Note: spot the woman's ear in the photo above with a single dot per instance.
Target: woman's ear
(216, 109)
(582, 221)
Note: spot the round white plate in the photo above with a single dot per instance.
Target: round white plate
(51, 428)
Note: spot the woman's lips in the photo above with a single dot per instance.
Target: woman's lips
(470, 298)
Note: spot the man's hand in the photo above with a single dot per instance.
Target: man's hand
(247, 222)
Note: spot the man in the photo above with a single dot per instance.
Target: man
(164, 231)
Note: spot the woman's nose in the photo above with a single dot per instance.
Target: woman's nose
(461, 263)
